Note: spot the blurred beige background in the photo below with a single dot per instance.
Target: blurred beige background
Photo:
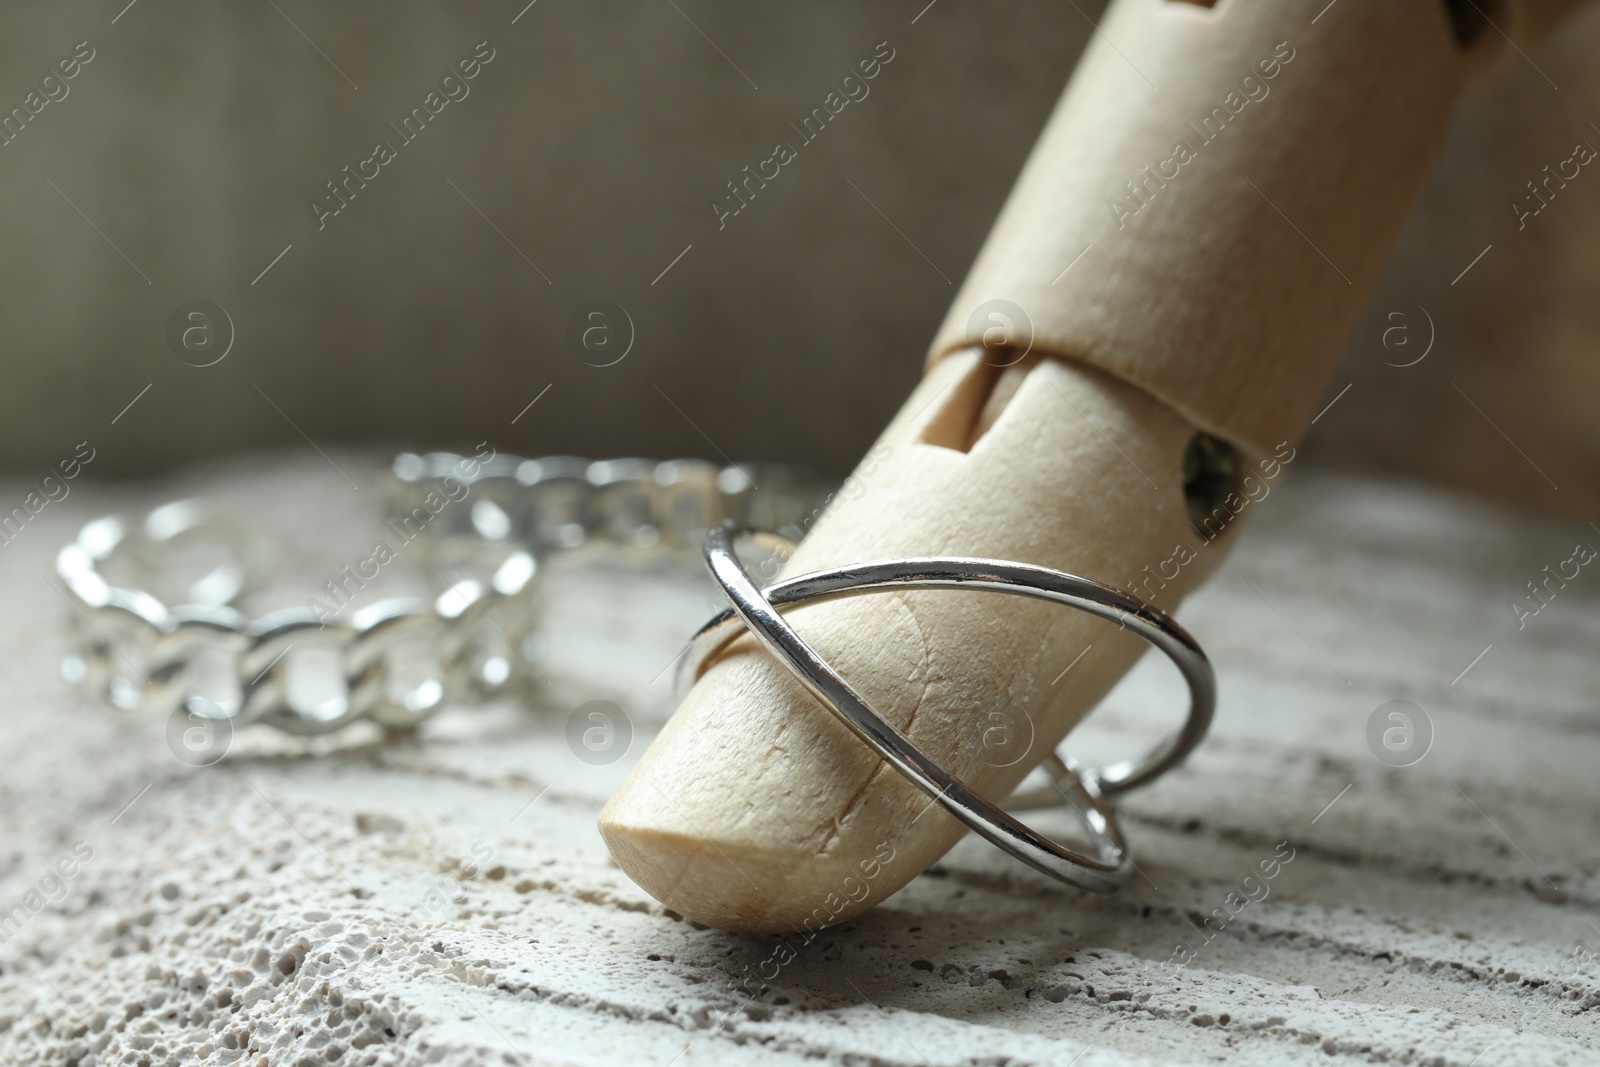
(588, 153)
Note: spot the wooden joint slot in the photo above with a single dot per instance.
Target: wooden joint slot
(976, 402)
(1210, 476)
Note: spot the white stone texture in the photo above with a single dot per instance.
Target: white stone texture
(308, 904)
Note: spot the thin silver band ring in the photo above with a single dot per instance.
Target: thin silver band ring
(1084, 790)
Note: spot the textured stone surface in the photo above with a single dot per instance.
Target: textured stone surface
(448, 900)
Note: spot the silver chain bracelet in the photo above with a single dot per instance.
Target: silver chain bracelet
(477, 524)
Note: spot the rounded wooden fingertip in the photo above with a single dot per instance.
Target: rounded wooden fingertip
(755, 809)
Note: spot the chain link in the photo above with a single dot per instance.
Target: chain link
(480, 523)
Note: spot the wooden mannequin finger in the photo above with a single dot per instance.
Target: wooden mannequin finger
(1237, 214)
(755, 808)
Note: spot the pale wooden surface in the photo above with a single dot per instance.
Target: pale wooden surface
(266, 910)
(1194, 283)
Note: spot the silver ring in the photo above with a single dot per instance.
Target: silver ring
(400, 661)
(1085, 790)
